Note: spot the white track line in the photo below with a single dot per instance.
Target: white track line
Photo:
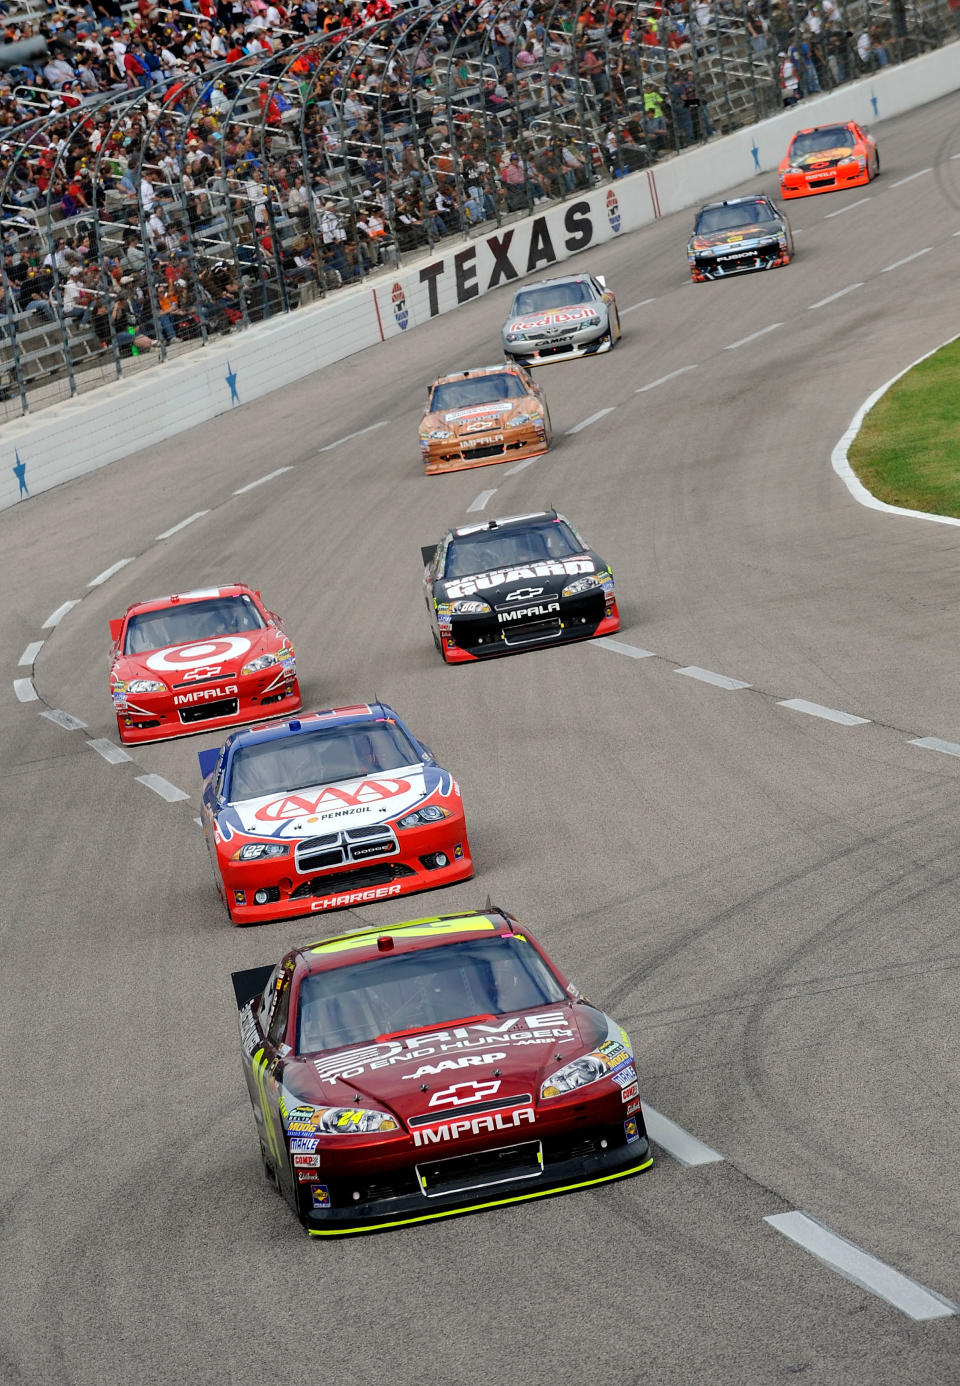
(909, 1296)
(175, 529)
(590, 419)
(359, 434)
(30, 653)
(116, 755)
(829, 714)
(480, 501)
(910, 177)
(692, 671)
(677, 1142)
(66, 720)
(664, 378)
(261, 480)
(849, 208)
(634, 651)
(832, 298)
(25, 691)
(933, 743)
(521, 466)
(109, 572)
(907, 259)
(163, 787)
(753, 336)
(57, 616)
(634, 306)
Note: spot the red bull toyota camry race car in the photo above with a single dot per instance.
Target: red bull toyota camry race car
(331, 810)
(413, 1072)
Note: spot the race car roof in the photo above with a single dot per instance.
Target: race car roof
(406, 937)
(471, 371)
(557, 279)
(231, 589)
(505, 523)
(308, 721)
(735, 201)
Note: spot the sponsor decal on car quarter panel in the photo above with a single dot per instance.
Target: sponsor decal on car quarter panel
(624, 1076)
(474, 1126)
(628, 1094)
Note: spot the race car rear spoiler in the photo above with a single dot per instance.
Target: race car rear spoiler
(249, 983)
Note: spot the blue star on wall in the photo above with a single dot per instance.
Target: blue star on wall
(756, 156)
(873, 103)
(20, 472)
(231, 379)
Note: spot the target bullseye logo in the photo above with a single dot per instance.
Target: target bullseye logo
(181, 657)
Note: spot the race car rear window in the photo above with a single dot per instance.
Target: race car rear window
(728, 218)
(429, 987)
(477, 389)
(551, 296)
(509, 548)
(179, 625)
(815, 141)
(318, 757)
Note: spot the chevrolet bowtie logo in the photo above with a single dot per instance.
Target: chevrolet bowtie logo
(523, 594)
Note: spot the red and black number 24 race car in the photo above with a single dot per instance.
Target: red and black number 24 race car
(430, 1068)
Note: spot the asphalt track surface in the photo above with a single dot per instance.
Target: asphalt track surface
(766, 898)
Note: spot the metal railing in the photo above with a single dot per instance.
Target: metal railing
(143, 222)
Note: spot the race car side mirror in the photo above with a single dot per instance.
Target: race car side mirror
(115, 628)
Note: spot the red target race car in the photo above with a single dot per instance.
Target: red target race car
(199, 661)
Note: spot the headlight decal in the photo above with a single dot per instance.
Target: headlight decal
(611, 1059)
(341, 1121)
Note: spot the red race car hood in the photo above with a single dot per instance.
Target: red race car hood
(824, 156)
(220, 657)
(318, 809)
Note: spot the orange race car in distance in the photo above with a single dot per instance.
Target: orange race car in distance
(828, 157)
(481, 416)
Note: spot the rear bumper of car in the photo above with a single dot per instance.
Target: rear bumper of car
(580, 1162)
(458, 454)
(481, 637)
(545, 352)
(827, 180)
(155, 717)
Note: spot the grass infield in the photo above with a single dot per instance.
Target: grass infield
(907, 452)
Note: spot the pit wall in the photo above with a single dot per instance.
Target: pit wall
(116, 420)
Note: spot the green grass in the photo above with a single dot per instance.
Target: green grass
(908, 450)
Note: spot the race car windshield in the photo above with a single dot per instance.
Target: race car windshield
(729, 218)
(551, 296)
(318, 757)
(429, 987)
(509, 548)
(477, 389)
(818, 141)
(180, 625)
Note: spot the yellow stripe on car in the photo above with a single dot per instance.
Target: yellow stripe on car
(417, 928)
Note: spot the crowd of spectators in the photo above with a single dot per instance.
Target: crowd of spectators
(175, 169)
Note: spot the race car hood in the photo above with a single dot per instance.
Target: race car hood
(477, 418)
(823, 157)
(556, 318)
(756, 231)
(319, 809)
(220, 657)
(524, 584)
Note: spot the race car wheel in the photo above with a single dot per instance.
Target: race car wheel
(436, 637)
(876, 166)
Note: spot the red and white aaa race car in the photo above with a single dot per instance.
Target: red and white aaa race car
(198, 661)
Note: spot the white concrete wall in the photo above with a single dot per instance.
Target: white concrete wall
(90, 431)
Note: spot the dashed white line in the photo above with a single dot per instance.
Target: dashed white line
(692, 671)
(676, 1141)
(359, 434)
(521, 466)
(261, 480)
(933, 743)
(753, 336)
(910, 177)
(25, 691)
(30, 653)
(634, 306)
(163, 787)
(871, 1274)
(664, 378)
(109, 572)
(634, 651)
(849, 208)
(116, 755)
(590, 419)
(829, 714)
(955, 156)
(175, 529)
(906, 260)
(831, 298)
(480, 501)
(57, 616)
(66, 720)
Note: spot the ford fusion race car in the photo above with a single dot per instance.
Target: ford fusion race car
(745, 233)
(430, 1068)
(828, 157)
(494, 588)
(331, 810)
(561, 319)
(478, 417)
(198, 661)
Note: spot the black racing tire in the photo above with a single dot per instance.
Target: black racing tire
(876, 166)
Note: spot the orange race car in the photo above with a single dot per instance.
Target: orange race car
(485, 415)
(828, 157)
